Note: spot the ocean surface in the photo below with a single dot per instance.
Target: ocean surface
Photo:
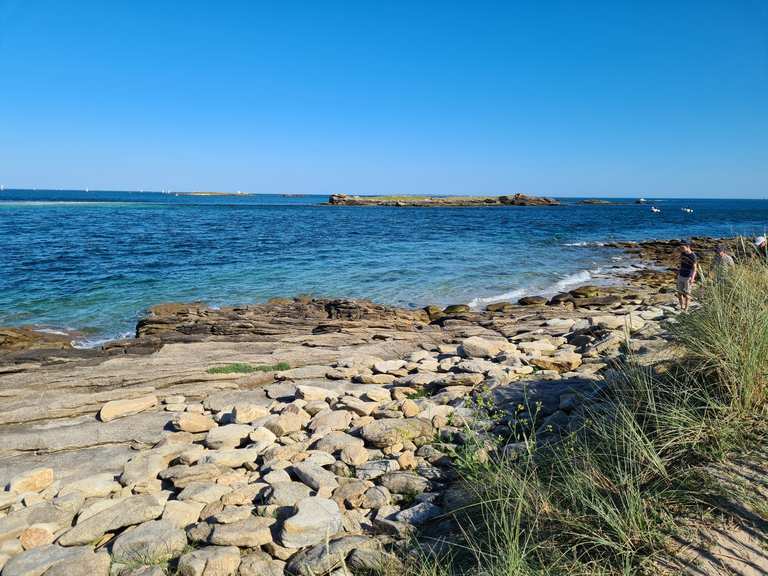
(92, 262)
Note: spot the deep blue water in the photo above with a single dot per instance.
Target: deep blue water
(93, 261)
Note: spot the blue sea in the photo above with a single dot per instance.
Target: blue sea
(92, 262)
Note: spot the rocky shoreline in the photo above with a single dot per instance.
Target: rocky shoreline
(301, 436)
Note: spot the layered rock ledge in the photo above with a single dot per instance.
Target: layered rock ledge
(301, 436)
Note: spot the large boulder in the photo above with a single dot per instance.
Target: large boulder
(327, 556)
(210, 561)
(229, 436)
(150, 543)
(532, 301)
(477, 347)
(330, 420)
(252, 532)
(96, 486)
(133, 510)
(390, 431)
(287, 493)
(57, 561)
(402, 482)
(561, 362)
(456, 309)
(335, 441)
(315, 477)
(314, 520)
(192, 422)
(259, 563)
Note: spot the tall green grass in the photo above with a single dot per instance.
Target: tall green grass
(727, 338)
(604, 498)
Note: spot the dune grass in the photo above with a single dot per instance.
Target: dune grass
(244, 368)
(605, 498)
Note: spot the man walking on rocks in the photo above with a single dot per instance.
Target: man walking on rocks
(686, 274)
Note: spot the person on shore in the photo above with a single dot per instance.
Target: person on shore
(761, 245)
(686, 274)
(723, 262)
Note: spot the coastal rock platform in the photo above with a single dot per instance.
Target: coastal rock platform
(291, 437)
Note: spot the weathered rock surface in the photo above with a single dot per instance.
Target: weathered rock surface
(249, 533)
(324, 558)
(132, 510)
(150, 543)
(119, 408)
(314, 520)
(57, 561)
(384, 433)
(210, 561)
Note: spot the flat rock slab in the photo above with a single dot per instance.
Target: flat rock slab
(53, 560)
(121, 408)
(249, 533)
(85, 432)
(132, 510)
(226, 400)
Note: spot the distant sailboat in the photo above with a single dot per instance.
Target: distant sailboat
(655, 210)
(687, 210)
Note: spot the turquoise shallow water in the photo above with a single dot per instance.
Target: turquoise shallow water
(93, 261)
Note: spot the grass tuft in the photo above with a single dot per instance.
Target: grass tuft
(244, 368)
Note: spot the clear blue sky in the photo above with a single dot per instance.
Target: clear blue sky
(655, 98)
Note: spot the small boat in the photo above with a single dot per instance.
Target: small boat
(655, 210)
(687, 210)
(641, 200)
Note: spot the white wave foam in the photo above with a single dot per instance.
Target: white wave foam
(53, 331)
(584, 244)
(512, 295)
(85, 343)
(562, 285)
(569, 281)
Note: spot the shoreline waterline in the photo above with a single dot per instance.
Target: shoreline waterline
(614, 275)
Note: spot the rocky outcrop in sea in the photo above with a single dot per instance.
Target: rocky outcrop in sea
(438, 201)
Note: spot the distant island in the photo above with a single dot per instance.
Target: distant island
(441, 201)
(600, 202)
(212, 193)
